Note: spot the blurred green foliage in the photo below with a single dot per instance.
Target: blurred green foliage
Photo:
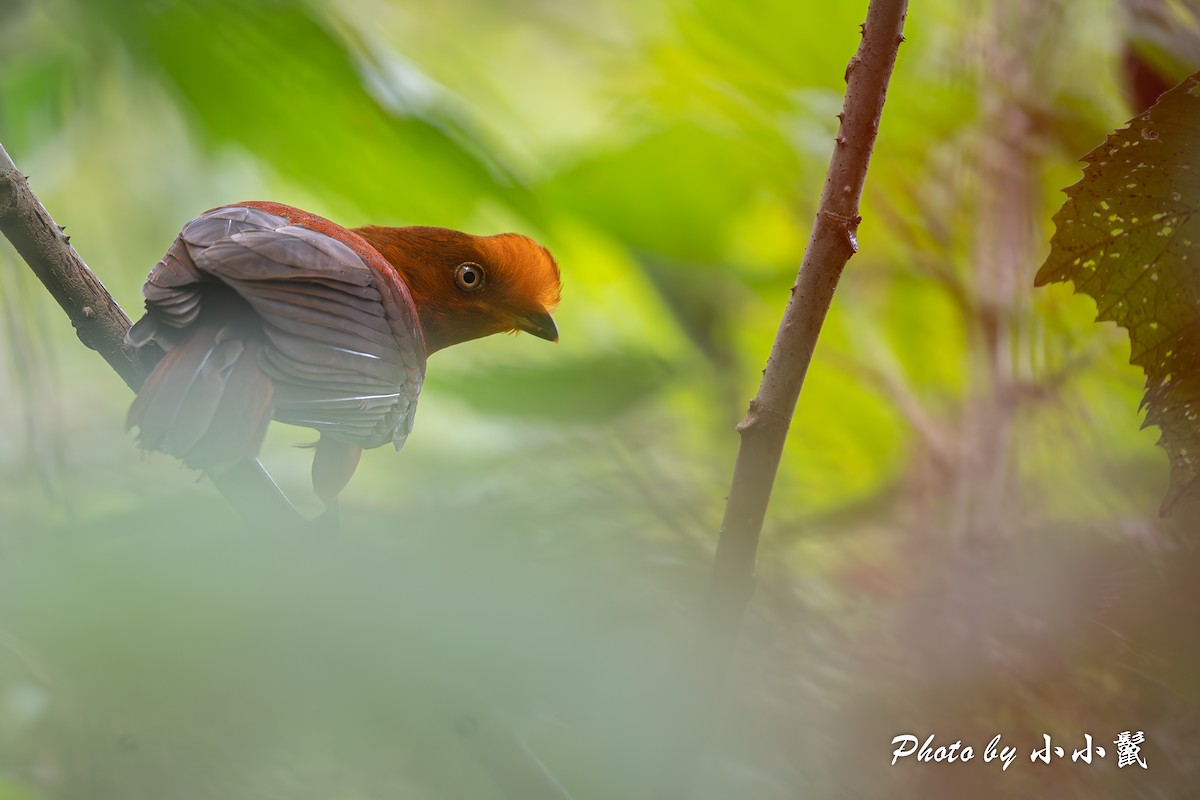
(963, 530)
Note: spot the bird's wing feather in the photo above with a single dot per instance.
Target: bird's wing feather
(342, 342)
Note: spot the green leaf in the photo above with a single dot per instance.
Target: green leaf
(585, 390)
(1129, 237)
(287, 82)
(707, 176)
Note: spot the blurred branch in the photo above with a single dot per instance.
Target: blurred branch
(515, 768)
(661, 495)
(101, 324)
(33, 362)
(831, 244)
(24, 656)
(938, 440)
(933, 259)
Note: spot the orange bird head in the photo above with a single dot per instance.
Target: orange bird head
(467, 287)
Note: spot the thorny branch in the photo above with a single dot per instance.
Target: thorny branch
(831, 244)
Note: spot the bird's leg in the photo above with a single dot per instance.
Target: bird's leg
(251, 491)
(334, 463)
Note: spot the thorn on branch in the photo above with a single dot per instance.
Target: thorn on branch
(842, 220)
(759, 414)
(848, 226)
(851, 65)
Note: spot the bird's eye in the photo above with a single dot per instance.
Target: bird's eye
(468, 276)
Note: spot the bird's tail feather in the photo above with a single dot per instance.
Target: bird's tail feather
(207, 402)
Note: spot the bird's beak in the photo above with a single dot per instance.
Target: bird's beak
(540, 324)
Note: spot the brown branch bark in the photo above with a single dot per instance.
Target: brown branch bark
(831, 244)
(101, 325)
(98, 320)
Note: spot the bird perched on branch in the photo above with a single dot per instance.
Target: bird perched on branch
(266, 311)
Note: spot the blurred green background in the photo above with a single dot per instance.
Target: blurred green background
(963, 538)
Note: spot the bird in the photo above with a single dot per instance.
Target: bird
(266, 311)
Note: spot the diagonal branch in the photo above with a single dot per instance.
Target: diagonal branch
(764, 429)
(101, 325)
(831, 244)
(98, 320)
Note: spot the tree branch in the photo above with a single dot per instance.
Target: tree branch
(831, 244)
(101, 325)
(514, 767)
(98, 320)
(764, 429)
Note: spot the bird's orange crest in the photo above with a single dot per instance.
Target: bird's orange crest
(527, 268)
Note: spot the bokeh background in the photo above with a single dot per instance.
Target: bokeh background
(963, 538)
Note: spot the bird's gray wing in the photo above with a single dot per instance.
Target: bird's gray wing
(342, 343)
